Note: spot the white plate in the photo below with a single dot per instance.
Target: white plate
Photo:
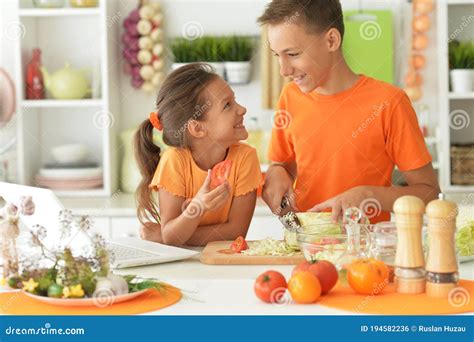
(465, 258)
(69, 174)
(99, 302)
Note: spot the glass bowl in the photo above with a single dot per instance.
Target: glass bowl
(318, 243)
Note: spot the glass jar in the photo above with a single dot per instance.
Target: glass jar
(48, 3)
(384, 245)
(83, 3)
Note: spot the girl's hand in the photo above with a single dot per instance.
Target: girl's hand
(206, 199)
(151, 232)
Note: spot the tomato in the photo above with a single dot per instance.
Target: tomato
(270, 286)
(220, 172)
(239, 245)
(325, 271)
(368, 276)
(304, 287)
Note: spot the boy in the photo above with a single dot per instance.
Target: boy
(344, 132)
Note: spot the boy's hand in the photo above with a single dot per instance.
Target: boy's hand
(278, 184)
(207, 199)
(350, 198)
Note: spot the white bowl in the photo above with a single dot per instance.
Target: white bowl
(74, 153)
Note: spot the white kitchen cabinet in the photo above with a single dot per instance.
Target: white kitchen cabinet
(85, 38)
(456, 110)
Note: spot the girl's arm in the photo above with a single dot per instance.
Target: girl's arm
(240, 215)
(178, 220)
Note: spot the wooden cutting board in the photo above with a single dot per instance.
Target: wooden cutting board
(211, 255)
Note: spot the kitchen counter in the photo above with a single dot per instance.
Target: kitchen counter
(228, 289)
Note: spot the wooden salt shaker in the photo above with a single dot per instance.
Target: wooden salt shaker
(441, 264)
(409, 259)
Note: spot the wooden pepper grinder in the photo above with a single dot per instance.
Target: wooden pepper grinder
(441, 264)
(409, 259)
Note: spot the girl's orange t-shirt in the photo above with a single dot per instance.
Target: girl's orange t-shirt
(341, 141)
(178, 174)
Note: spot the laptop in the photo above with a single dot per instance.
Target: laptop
(127, 251)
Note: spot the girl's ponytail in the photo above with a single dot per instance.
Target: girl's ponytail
(147, 155)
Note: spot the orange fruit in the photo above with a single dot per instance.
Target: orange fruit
(368, 276)
(304, 287)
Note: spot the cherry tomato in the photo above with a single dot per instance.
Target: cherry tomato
(304, 287)
(239, 245)
(325, 271)
(270, 286)
(368, 276)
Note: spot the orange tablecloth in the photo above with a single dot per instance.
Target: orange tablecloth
(393, 303)
(17, 303)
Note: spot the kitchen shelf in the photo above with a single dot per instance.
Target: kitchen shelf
(461, 188)
(58, 12)
(461, 96)
(61, 103)
(448, 20)
(431, 140)
(45, 124)
(81, 193)
(459, 2)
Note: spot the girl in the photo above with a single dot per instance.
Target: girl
(203, 124)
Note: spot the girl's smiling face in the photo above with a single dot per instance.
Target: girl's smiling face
(224, 121)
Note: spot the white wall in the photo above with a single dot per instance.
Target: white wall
(228, 17)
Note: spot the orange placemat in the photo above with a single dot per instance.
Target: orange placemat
(16, 303)
(393, 303)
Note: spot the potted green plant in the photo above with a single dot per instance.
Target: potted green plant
(209, 49)
(238, 51)
(183, 51)
(461, 64)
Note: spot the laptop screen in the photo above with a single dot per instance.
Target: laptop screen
(47, 205)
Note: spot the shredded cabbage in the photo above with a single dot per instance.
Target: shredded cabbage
(269, 247)
(465, 239)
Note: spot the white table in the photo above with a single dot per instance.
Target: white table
(228, 289)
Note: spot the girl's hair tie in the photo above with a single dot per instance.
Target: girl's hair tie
(155, 121)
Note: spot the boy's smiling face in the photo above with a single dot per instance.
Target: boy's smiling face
(304, 57)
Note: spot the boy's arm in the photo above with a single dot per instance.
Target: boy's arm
(240, 216)
(422, 183)
(279, 180)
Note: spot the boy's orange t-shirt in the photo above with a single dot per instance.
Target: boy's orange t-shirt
(178, 174)
(348, 139)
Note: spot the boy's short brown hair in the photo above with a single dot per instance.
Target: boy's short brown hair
(317, 15)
